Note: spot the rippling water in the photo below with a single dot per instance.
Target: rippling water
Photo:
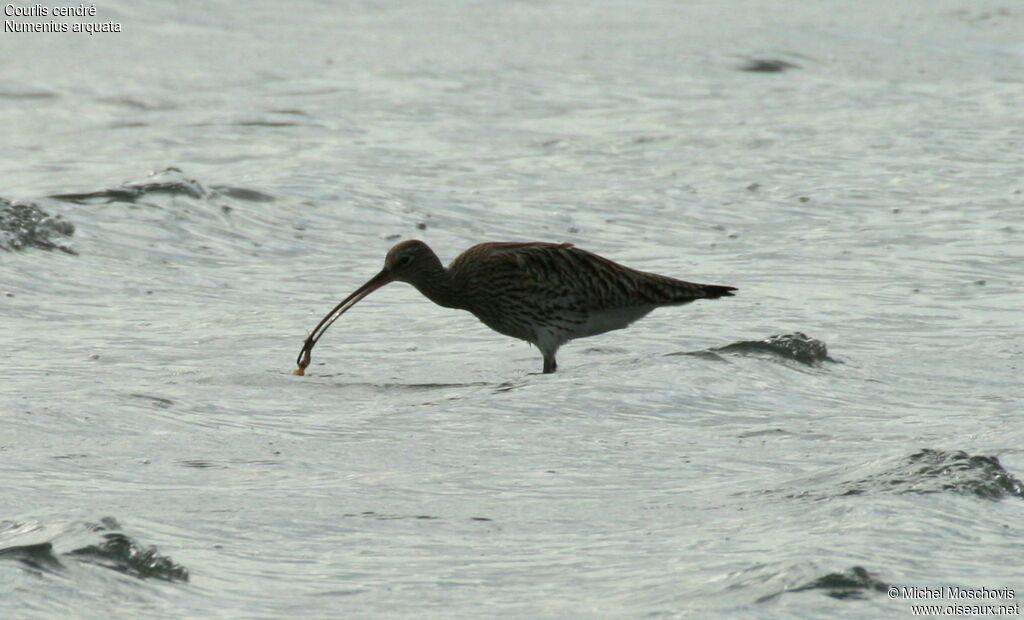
(219, 178)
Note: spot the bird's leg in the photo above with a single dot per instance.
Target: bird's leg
(548, 345)
(549, 363)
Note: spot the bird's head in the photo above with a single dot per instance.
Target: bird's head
(409, 261)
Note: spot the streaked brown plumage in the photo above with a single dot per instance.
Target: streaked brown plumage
(544, 293)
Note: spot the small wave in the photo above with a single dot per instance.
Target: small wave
(25, 225)
(38, 557)
(114, 550)
(767, 65)
(243, 193)
(924, 472)
(169, 181)
(13, 92)
(124, 555)
(797, 347)
(266, 124)
(939, 471)
(369, 514)
(855, 583)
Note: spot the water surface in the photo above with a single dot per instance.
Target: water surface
(229, 175)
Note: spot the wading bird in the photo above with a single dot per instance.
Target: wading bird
(544, 293)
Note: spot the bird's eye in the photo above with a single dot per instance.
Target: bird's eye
(405, 260)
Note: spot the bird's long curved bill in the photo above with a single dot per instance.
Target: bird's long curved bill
(305, 355)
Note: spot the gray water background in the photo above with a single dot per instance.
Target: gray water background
(870, 197)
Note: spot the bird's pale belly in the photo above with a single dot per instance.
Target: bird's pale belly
(563, 327)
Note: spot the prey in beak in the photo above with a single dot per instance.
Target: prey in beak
(305, 355)
(409, 261)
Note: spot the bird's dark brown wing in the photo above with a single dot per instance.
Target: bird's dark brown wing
(564, 276)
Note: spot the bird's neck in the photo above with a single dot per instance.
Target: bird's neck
(439, 287)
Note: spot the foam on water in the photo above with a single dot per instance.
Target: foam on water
(27, 226)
